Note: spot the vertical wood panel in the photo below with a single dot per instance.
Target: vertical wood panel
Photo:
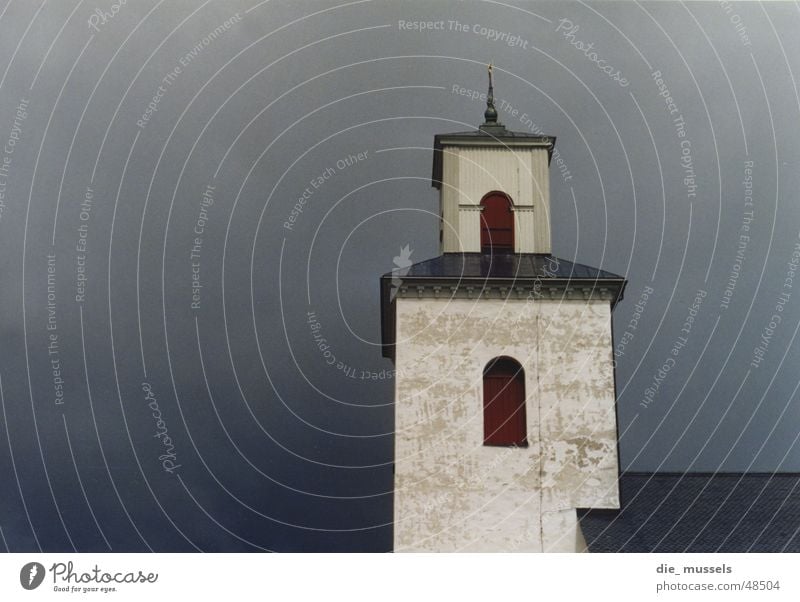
(450, 198)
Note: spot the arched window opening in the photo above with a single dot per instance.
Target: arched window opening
(504, 403)
(497, 224)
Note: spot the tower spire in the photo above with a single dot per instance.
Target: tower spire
(490, 114)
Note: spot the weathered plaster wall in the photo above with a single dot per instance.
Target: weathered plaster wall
(469, 173)
(451, 492)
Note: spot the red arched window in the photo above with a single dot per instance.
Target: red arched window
(504, 403)
(497, 224)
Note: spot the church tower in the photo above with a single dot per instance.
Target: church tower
(505, 418)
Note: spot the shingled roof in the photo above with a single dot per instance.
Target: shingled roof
(699, 513)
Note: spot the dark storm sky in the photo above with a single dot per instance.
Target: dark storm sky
(152, 157)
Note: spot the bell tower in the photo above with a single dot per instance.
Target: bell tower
(505, 417)
(468, 165)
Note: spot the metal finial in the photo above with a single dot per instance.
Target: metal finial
(490, 114)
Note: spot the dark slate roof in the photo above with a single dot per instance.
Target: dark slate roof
(487, 136)
(505, 266)
(699, 513)
(484, 272)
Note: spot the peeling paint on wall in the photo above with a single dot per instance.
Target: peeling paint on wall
(452, 493)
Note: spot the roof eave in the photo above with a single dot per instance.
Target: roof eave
(531, 288)
(468, 139)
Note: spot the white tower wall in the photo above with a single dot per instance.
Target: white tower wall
(452, 493)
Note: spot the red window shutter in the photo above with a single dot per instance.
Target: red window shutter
(504, 403)
(497, 223)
